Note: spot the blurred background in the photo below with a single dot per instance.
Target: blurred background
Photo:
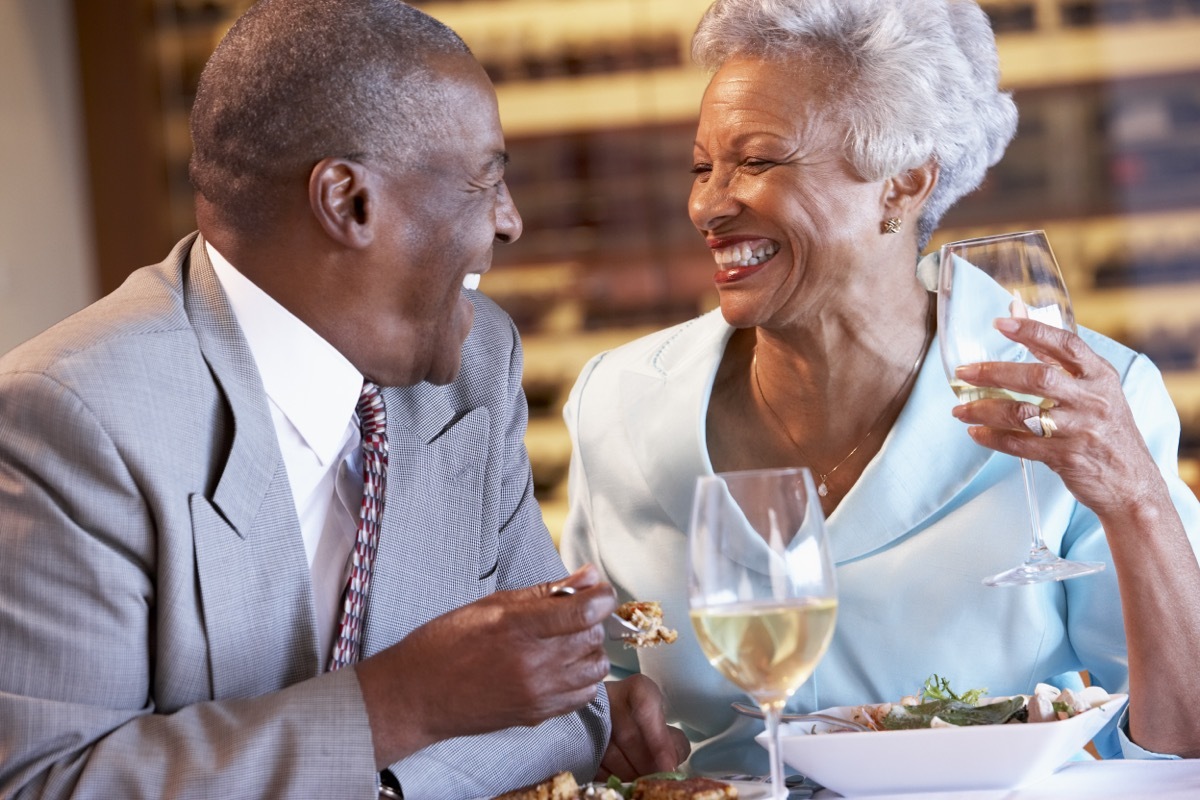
(598, 101)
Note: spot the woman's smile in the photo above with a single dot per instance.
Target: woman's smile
(740, 259)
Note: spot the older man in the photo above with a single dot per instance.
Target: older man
(266, 517)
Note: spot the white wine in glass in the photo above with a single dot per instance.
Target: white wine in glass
(980, 280)
(762, 593)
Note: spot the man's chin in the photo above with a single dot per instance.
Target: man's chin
(445, 369)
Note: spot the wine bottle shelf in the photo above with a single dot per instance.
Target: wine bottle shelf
(598, 101)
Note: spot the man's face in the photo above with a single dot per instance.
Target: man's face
(437, 219)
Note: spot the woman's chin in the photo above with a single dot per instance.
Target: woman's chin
(739, 312)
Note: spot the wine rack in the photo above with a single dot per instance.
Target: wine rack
(598, 100)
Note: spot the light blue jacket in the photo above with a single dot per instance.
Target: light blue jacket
(932, 514)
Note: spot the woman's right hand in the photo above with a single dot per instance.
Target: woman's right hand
(1095, 447)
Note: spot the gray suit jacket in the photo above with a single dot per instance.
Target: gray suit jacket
(157, 633)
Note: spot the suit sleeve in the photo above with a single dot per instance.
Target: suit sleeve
(80, 653)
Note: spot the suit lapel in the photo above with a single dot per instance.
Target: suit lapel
(255, 584)
(250, 467)
(430, 554)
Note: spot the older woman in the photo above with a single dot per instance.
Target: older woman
(831, 139)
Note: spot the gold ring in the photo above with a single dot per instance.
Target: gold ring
(1048, 426)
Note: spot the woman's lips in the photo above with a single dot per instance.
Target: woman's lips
(739, 258)
(734, 274)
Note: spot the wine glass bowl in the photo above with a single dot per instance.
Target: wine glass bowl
(980, 280)
(762, 593)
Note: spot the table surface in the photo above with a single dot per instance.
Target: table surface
(1162, 780)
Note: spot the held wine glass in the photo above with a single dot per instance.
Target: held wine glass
(761, 593)
(1010, 275)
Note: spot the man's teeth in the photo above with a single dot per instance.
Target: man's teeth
(743, 255)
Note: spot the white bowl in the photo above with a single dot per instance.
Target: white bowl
(938, 759)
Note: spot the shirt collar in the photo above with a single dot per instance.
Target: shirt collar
(305, 376)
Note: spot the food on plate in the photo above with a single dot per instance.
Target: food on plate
(659, 786)
(939, 706)
(647, 615)
(685, 789)
(557, 787)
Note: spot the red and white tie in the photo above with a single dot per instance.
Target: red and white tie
(373, 421)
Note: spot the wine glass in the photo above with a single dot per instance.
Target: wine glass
(1012, 274)
(761, 588)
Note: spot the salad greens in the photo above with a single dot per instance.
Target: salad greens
(626, 789)
(938, 688)
(940, 701)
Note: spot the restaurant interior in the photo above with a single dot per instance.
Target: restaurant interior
(599, 100)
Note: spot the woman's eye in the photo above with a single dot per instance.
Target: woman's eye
(756, 163)
(699, 168)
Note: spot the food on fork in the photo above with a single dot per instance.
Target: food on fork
(647, 615)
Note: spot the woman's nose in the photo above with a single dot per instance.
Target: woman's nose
(710, 203)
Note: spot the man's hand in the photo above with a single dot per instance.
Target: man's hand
(513, 658)
(641, 741)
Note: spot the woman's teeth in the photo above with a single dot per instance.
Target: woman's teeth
(743, 255)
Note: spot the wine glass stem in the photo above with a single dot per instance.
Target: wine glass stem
(1035, 522)
(772, 712)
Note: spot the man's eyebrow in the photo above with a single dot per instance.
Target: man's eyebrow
(498, 160)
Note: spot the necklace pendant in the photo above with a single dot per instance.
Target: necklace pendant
(822, 490)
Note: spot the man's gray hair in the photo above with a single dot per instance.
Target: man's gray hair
(296, 81)
(917, 80)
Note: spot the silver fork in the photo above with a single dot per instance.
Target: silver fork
(616, 627)
(848, 724)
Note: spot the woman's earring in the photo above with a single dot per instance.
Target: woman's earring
(892, 225)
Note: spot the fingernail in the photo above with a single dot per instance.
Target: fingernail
(1006, 324)
(967, 371)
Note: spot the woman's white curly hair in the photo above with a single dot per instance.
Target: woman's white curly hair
(918, 80)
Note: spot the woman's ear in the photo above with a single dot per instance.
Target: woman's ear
(906, 193)
(342, 196)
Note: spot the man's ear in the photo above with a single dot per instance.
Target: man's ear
(906, 193)
(342, 195)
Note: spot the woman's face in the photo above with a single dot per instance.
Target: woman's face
(786, 217)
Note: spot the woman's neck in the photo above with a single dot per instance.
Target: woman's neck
(823, 395)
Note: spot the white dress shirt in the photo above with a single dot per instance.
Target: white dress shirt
(312, 391)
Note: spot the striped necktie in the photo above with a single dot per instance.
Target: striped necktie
(373, 422)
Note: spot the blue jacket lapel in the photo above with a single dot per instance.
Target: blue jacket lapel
(927, 466)
(665, 398)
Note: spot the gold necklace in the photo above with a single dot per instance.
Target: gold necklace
(822, 487)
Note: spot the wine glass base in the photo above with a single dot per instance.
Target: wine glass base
(1043, 566)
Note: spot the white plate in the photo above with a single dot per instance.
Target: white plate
(751, 790)
(938, 759)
